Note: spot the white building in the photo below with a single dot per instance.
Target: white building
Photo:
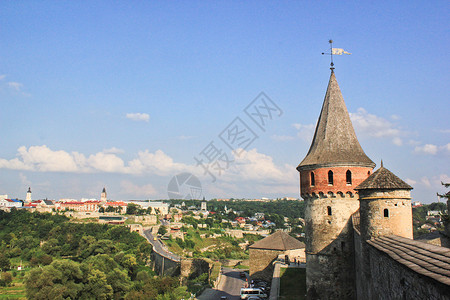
(10, 203)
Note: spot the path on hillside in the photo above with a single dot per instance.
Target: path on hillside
(159, 247)
(230, 285)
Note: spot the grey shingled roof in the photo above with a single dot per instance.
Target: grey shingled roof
(426, 259)
(334, 141)
(279, 240)
(383, 179)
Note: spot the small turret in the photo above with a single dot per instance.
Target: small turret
(385, 205)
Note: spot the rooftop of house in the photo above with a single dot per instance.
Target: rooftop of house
(279, 240)
(426, 259)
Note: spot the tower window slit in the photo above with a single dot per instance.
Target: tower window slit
(386, 213)
(330, 177)
(329, 210)
(348, 177)
(313, 180)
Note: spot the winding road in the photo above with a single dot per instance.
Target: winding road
(159, 247)
(230, 286)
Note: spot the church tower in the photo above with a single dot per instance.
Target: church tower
(28, 198)
(103, 196)
(334, 166)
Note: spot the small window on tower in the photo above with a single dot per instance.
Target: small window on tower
(348, 177)
(386, 213)
(313, 180)
(330, 177)
(329, 210)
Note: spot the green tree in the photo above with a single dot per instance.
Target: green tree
(132, 209)
(60, 280)
(162, 230)
(4, 262)
(96, 286)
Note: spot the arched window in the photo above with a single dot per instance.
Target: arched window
(330, 177)
(329, 210)
(348, 177)
(313, 180)
(386, 213)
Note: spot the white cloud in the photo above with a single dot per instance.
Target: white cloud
(113, 150)
(281, 138)
(252, 165)
(15, 85)
(444, 130)
(138, 116)
(106, 163)
(249, 169)
(425, 181)
(157, 163)
(305, 132)
(397, 141)
(373, 126)
(132, 189)
(3, 76)
(446, 148)
(43, 159)
(410, 181)
(426, 149)
(24, 180)
(395, 117)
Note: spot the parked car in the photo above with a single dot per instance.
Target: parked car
(252, 292)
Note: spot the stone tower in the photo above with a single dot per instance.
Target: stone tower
(103, 196)
(385, 206)
(334, 166)
(385, 209)
(28, 198)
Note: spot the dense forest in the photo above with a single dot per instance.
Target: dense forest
(67, 260)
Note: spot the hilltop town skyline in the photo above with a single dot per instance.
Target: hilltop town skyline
(139, 95)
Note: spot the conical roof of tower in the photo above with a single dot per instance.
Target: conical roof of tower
(383, 179)
(334, 141)
(104, 190)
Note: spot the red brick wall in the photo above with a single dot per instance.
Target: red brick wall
(359, 174)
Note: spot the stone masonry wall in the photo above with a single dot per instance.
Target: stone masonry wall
(329, 247)
(392, 280)
(261, 263)
(373, 221)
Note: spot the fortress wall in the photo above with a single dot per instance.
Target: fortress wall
(392, 280)
(165, 266)
(358, 268)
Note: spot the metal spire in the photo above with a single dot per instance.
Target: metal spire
(331, 54)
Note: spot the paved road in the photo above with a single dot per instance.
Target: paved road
(159, 247)
(230, 285)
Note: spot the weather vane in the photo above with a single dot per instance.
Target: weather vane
(335, 51)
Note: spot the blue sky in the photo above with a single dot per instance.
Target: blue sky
(125, 95)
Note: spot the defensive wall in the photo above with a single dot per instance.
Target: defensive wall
(393, 277)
